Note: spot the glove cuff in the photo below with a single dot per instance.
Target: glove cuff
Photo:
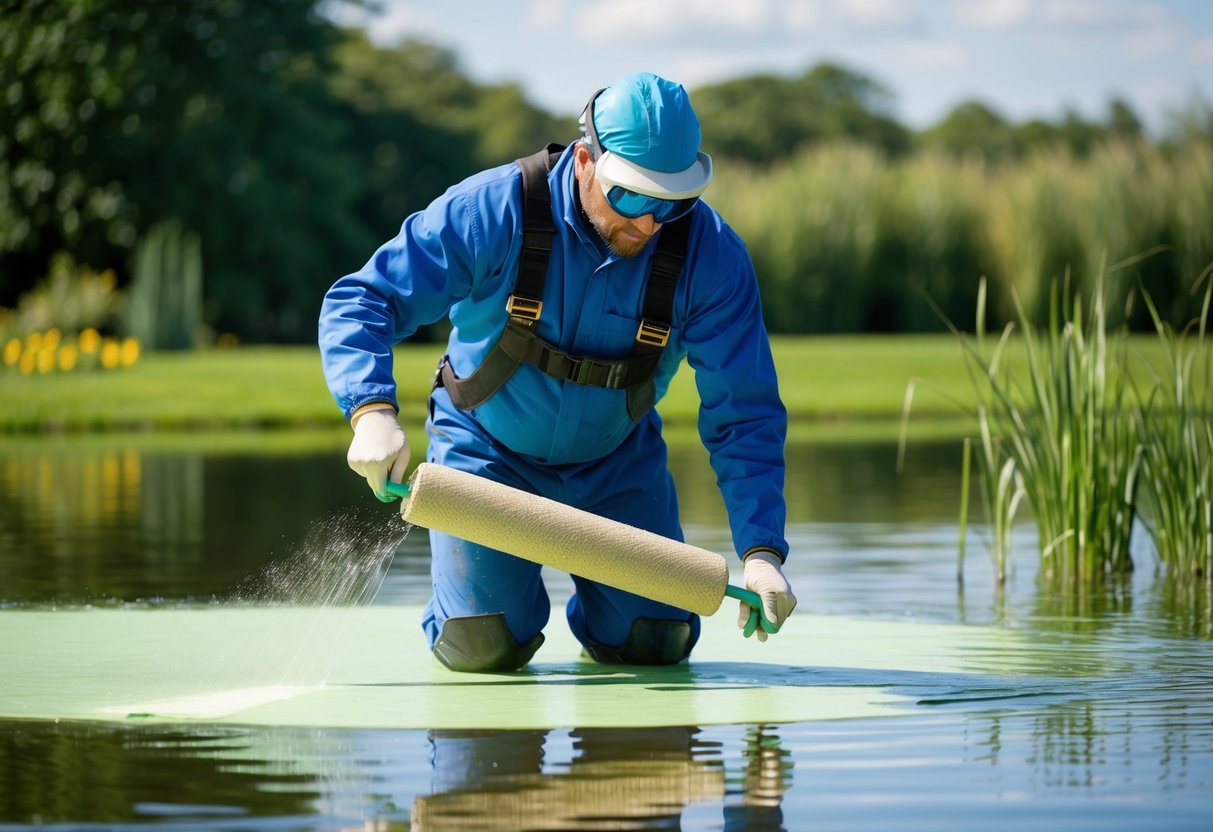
(367, 408)
(766, 550)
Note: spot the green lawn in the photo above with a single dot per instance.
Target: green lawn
(824, 381)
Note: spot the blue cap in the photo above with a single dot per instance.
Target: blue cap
(648, 121)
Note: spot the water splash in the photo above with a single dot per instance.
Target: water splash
(278, 634)
(301, 611)
(342, 561)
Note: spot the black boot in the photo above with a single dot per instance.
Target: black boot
(482, 644)
(650, 642)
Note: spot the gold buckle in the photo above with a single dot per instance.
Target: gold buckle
(524, 307)
(654, 334)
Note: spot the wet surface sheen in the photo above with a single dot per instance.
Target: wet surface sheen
(1104, 721)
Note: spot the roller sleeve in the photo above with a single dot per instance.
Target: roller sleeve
(550, 533)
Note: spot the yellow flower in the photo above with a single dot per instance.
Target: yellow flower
(111, 353)
(67, 358)
(130, 351)
(12, 352)
(50, 339)
(46, 361)
(89, 340)
(33, 341)
(28, 359)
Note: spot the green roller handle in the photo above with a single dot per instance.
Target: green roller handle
(757, 611)
(394, 489)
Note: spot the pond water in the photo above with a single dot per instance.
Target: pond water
(1121, 738)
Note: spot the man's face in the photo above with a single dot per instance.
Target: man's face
(624, 236)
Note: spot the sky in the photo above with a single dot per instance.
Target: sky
(1025, 58)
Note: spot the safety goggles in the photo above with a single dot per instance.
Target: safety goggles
(624, 183)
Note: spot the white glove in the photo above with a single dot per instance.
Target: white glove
(379, 448)
(764, 576)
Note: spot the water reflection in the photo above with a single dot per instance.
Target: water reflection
(767, 776)
(1120, 765)
(1124, 714)
(616, 778)
(1186, 606)
(853, 482)
(82, 523)
(483, 780)
(56, 773)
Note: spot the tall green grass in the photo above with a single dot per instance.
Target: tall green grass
(1071, 427)
(1176, 429)
(845, 239)
(1057, 431)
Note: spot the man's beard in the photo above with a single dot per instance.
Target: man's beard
(618, 247)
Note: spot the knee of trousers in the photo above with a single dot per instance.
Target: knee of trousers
(482, 644)
(650, 642)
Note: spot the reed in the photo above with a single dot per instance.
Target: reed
(1002, 487)
(1177, 434)
(1059, 432)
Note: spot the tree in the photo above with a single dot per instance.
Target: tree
(751, 119)
(851, 105)
(210, 112)
(1078, 135)
(973, 127)
(1122, 121)
(417, 125)
(1036, 134)
(66, 77)
(765, 118)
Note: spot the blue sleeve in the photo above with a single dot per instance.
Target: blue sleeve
(742, 420)
(412, 280)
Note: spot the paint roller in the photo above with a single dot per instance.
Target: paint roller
(553, 534)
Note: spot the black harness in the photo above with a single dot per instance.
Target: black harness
(519, 343)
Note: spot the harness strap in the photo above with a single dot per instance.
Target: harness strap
(537, 232)
(657, 312)
(525, 304)
(519, 343)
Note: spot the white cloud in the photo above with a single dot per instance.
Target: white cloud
(545, 14)
(992, 14)
(399, 20)
(1059, 15)
(1070, 14)
(801, 17)
(711, 24)
(676, 20)
(879, 13)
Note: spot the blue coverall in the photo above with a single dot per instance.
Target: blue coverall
(572, 443)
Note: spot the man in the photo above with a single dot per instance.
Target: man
(563, 339)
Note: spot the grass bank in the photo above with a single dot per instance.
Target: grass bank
(823, 380)
(835, 380)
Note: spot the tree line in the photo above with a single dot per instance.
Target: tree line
(267, 150)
